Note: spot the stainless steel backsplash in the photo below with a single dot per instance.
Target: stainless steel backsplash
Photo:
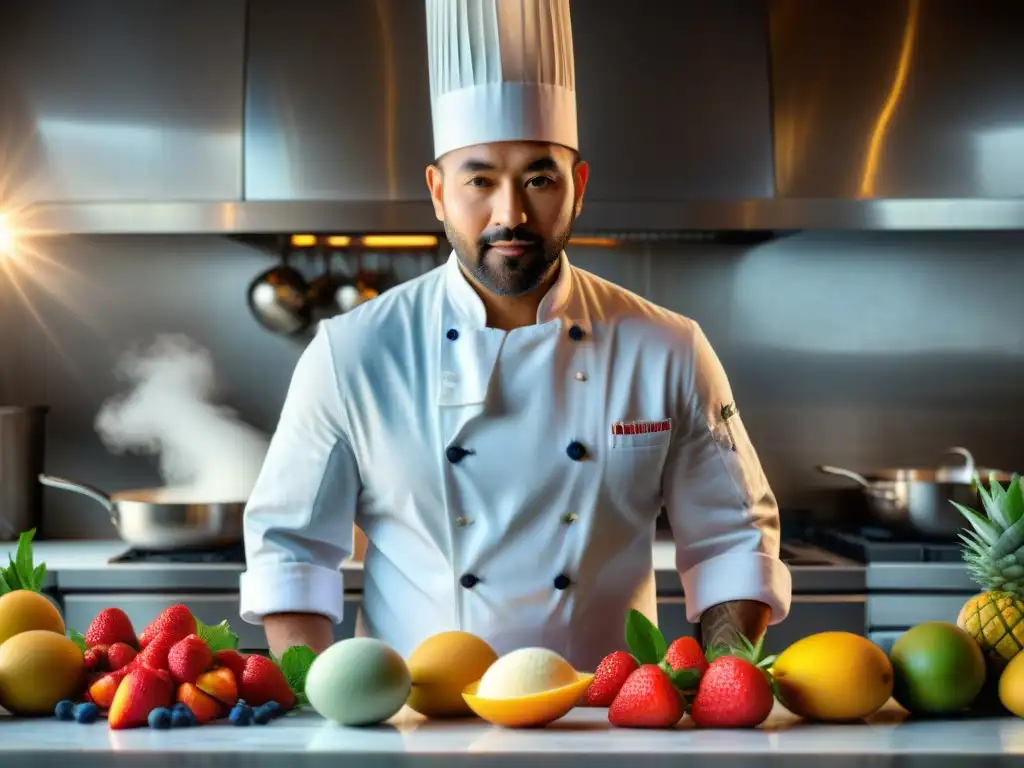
(856, 349)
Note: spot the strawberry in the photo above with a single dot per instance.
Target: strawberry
(735, 691)
(233, 660)
(686, 653)
(141, 691)
(177, 620)
(189, 658)
(120, 655)
(154, 655)
(110, 626)
(262, 681)
(608, 679)
(647, 699)
(95, 658)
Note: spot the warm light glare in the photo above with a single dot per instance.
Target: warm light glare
(6, 238)
(303, 241)
(593, 242)
(339, 241)
(399, 241)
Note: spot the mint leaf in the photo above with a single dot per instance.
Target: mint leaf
(645, 640)
(12, 575)
(4, 588)
(295, 664)
(218, 637)
(38, 577)
(24, 560)
(77, 638)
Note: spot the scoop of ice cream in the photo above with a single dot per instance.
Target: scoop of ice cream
(524, 672)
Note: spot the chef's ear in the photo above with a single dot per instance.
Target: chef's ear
(435, 183)
(580, 174)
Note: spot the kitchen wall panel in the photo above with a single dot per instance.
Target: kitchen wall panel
(857, 350)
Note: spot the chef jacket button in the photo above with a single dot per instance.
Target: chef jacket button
(462, 522)
(569, 518)
(452, 334)
(562, 581)
(468, 580)
(581, 376)
(455, 454)
(576, 451)
(575, 333)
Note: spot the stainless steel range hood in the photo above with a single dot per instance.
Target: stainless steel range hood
(257, 116)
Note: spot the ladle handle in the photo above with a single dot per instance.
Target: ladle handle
(85, 490)
(847, 473)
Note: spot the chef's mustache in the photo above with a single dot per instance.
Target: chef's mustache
(505, 234)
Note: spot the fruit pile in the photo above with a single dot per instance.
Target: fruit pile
(655, 685)
(177, 672)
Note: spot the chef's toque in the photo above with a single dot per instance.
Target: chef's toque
(501, 70)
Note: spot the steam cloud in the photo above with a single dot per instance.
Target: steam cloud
(207, 454)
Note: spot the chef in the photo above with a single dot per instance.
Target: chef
(506, 428)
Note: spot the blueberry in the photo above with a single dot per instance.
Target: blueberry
(160, 718)
(64, 710)
(180, 707)
(182, 718)
(274, 708)
(86, 713)
(241, 715)
(262, 715)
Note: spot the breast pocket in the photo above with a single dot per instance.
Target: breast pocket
(633, 470)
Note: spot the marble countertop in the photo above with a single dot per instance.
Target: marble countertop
(581, 738)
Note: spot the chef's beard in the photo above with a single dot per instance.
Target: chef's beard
(508, 275)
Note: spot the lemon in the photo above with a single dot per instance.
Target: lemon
(23, 610)
(441, 667)
(1011, 685)
(833, 676)
(38, 668)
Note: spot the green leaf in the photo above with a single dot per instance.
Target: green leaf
(1013, 504)
(24, 560)
(38, 577)
(985, 529)
(994, 502)
(4, 588)
(218, 637)
(645, 640)
(295, 664)
(11, 574)
(685, 680)
(77, 638)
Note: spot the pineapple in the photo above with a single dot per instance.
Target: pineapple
(994, 552)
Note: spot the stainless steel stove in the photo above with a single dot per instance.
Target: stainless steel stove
(908, 580)
(230, 555)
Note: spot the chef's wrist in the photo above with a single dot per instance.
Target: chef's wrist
(285, 630)
(720, 624)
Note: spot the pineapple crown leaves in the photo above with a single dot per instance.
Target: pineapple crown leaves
(997, 534)
(22, 573)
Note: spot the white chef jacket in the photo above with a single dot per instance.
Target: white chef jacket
(484, 468)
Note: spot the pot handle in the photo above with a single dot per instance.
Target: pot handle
(847, 473)
(964, 473)
(86, 490)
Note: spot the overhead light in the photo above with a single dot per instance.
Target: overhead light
(594, 242)
(339, 241)
(399, 241)
(303, 241)
(6, 238)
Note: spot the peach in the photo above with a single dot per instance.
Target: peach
(102, 690)
(203, 706)
(142, 691)
(220, 684)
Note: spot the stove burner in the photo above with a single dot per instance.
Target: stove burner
(878, 545)
(231, 554)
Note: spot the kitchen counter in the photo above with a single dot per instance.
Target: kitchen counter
(84, 565)
(581, 738)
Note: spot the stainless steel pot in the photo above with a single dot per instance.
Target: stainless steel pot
(164, 518)
(917, 500)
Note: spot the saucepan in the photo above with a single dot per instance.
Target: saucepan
(164, 518)
(917, 500)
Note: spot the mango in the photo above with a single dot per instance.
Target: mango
(38, 668)
(441, 667)
(23, 610)
(833, 676)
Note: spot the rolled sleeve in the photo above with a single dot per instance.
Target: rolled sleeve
(298, 524)
(724, 517)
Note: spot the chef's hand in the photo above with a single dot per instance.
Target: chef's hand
(287, 629)
(719, 624)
